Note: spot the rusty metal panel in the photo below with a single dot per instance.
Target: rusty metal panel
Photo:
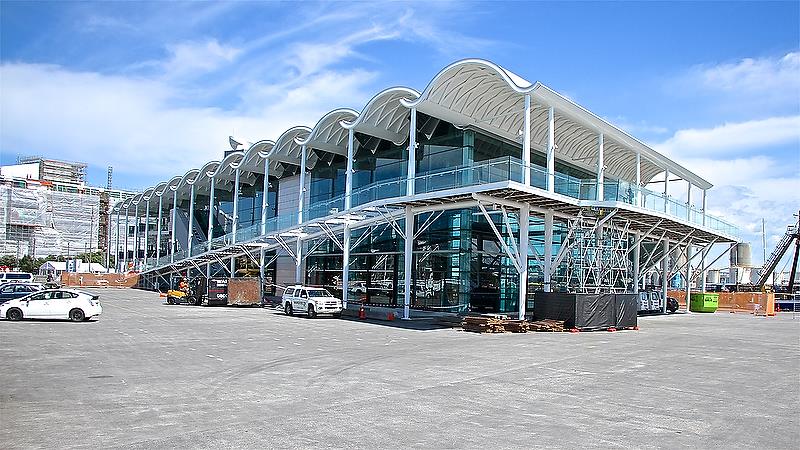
(244, 291)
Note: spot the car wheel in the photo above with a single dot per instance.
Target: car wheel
(77, 315)
(311, 312)
(169, 300)
(14, 314)
(288, 309)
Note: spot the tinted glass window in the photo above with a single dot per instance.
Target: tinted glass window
(303, 293)
(21, 288)
(290, 292)
(39, 296)
(18, 276)
(318, 293)
(7, 289)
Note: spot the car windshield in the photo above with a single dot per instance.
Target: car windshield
(318, 293)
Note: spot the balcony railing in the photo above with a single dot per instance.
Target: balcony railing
(485, 172)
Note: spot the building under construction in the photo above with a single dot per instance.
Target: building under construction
(468, 196)
(47, 209)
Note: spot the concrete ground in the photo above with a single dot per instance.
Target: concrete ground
(148, 375)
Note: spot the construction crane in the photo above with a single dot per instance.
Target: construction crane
(792, 235)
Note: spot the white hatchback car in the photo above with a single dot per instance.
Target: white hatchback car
(53, 304)
(311, 301)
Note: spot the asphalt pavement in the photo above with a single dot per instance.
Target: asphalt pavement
(149, 375)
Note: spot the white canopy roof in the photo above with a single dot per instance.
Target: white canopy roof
(471, 92)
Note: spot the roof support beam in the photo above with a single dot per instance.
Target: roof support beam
(412, 153)
(600, 167)
(526, 143)
(638, 201)
(348, 180)
(551, 151)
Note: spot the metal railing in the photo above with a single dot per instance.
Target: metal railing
(485, 172)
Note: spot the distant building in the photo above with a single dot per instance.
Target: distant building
(46, 208)
(56, 268)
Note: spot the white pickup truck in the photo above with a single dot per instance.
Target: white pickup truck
(311, 301)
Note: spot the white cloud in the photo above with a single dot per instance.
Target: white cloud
(191, 58)
(130, 123)
(767, 86)
(762, 74)
(734, 137)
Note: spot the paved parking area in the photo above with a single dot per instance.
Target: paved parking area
(149, 375)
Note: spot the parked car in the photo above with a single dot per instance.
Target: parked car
(18, 277)
(672, 304)
(311, 301)
(10, 291)
(53, 304)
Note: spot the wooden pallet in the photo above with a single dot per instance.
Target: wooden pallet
(547, 325)
(482, 324)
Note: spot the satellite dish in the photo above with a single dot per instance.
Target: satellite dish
(234, 144)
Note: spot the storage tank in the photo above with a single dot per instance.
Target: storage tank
(712, 277)
(678, 257)
(742, 255)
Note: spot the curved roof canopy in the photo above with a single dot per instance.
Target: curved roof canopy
(386, 116)
(478, 93)
(468, 93)
(329, 134)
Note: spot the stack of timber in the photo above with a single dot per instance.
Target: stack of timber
(547, 325)
(516, 326)
(481, 324)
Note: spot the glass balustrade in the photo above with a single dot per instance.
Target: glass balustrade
(485, 172)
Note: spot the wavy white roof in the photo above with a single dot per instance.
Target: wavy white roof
(470, 92)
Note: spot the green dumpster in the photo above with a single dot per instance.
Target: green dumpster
(704, 302)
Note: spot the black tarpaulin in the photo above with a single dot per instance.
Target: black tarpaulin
(626, 306)
(587, 311)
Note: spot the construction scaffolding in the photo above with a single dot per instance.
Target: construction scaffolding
(598, 257)
(41, 222)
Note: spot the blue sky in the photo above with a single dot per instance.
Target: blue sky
(155, 88)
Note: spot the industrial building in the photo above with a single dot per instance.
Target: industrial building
(470, 195)
(46, 209)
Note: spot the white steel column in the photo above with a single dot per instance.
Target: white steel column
(191, 222)
(689, 202)
(135, 258)
(704, 206)
(172, 233)
(146, 230)
(551, 150)
(600, 167)
(117, 262)
(408, 255)
(548, 250)
(265, 191)
(158, 228)
(127, 228)
(524, 225)
(348, 176)
(211, 214)
(666, 191)
(298, 276)
(688, 273)
(704, 269)
(302, 190)
(638, 198)
(235, 219)
(264, 195)
(526, 143)
(636, 255)
(665, 275)
(412, 153)
(210, 234)
(345, 264)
